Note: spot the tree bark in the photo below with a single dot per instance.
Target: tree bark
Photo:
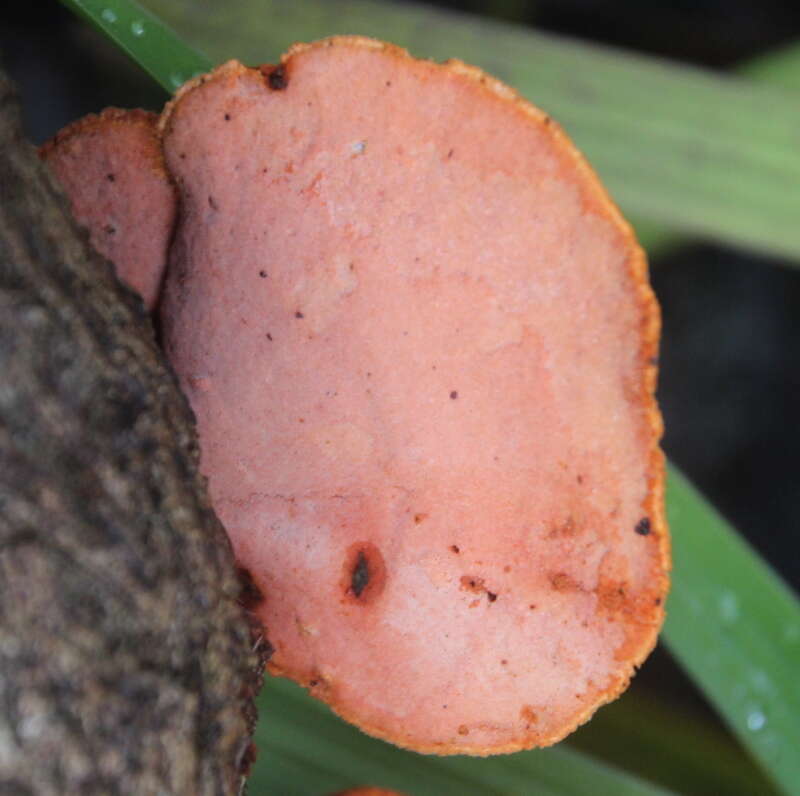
(128, 662)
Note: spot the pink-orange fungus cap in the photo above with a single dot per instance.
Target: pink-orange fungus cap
(111, 168)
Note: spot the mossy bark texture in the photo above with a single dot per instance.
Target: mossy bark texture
(127, 662)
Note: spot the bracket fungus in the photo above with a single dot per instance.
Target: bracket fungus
(112, 169)
(421, 346)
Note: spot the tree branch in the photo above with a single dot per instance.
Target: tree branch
(127, 661)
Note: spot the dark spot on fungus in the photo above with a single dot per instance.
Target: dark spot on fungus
(388, 83)
(212, 203)
(227, 117)
(418, 518)
(491, 595)
(471, 583)
(643, 526)
(109, 229)
(658, 601)
(299, 314)
(110, 177)
(364, 573)
(463, 730)
(360, 578)
(276, 78)
(318, 681)
(262, 274)
(453, 395)
(455, 548)
(269, 337)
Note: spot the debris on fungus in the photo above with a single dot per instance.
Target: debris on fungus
(415, 544)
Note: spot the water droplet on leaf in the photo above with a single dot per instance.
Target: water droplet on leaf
(137, 27)
(728, 607)
(756, 720)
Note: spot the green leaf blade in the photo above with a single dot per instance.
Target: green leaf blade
(146, 39)
(735, 627)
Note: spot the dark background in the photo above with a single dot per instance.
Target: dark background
(730, 378)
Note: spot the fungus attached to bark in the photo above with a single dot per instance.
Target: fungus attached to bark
(415, 543)
(112, 169)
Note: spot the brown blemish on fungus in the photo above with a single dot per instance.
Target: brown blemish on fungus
(472, 583)
(276, 76)
(359, 580)
(476, 585)
(528, 715)
(364, 574)
(643, 526)
(561, 581)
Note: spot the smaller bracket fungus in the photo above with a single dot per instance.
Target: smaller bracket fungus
(112, 169)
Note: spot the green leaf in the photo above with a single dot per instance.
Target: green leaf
(673, 742)
(305, 749)
(700, 153)
(735, 627)
(780, 68)
(144, 38)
